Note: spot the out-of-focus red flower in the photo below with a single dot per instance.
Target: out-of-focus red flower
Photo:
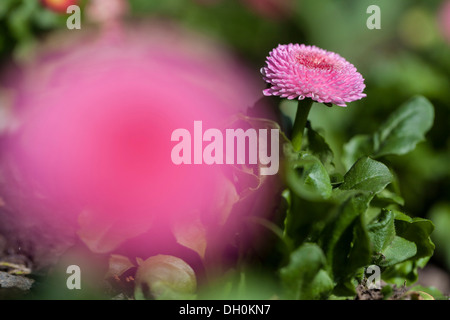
(444, 20)
(274, 9)
(59, 5)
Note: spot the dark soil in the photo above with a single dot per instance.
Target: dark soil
(363, 293)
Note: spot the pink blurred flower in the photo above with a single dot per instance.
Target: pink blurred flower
(93, 140)
(59, 5)
(299, 71)
(273, 9)
(444, 19)
(105, 11)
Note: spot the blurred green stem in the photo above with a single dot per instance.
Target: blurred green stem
(303, 108)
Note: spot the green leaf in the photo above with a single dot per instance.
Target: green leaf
(319, 148)
(344, 239)
(440, 215)
(306, 175)
(320, 287)
(398, 135)
(305, 218)
(5, 7)
(360, 251)
(358, 146)
(382, 230)
(401, 273)
(367, 175)
(387, 197)
(404, 128)
(435, 293)
(387, 291)
(398, 250)
(397, 238)
(304, 277)
(165, 277)
(417, 230)
(336, 179)
(400, 257)
(310, 192)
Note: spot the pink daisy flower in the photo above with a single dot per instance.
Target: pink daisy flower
(300, 71)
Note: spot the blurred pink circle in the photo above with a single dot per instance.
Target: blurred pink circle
(96, 117)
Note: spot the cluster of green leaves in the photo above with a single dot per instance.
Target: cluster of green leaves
(339, 224)
(21, 22)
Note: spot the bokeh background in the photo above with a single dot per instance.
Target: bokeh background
(409, 55)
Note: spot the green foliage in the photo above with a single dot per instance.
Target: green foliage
(440, 215)
(341, 228)
(309, 176)
(304, 277)
(367, 175)
(398, 135)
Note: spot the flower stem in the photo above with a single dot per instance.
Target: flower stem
(300, 121)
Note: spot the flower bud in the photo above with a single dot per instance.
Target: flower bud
(165, 277)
